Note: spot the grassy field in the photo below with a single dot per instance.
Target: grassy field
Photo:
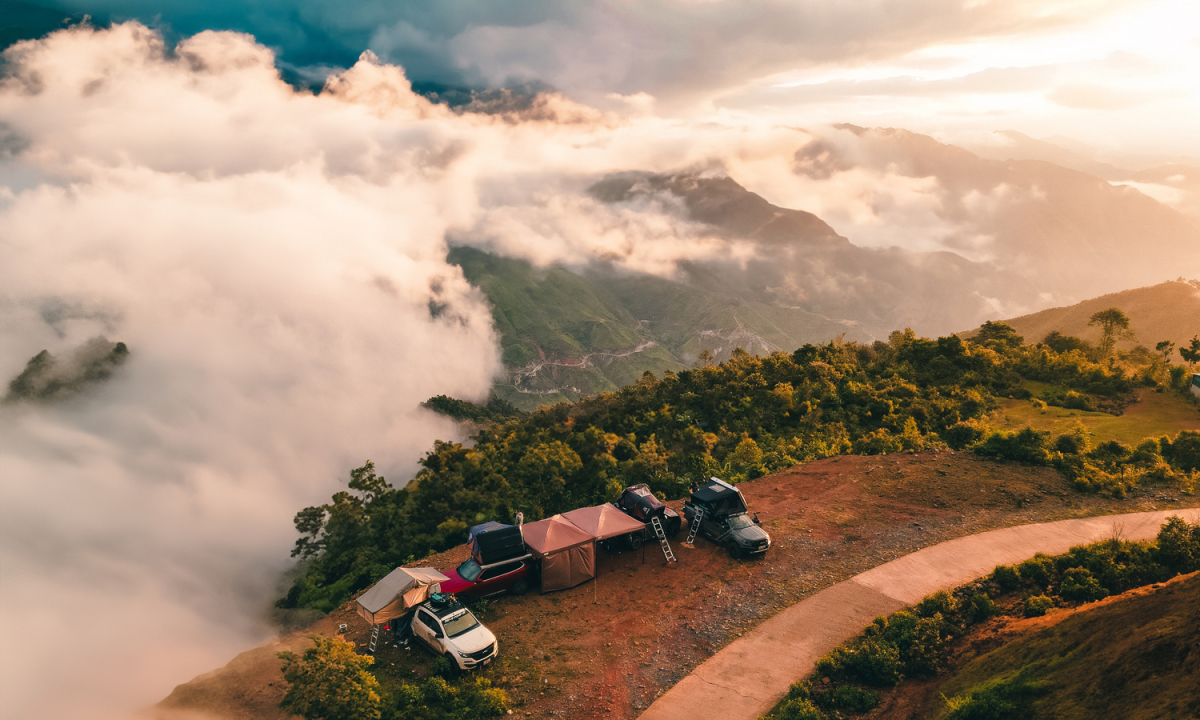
(1154, 415)
(1133, 657)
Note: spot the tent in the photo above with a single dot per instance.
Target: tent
(568, 553)
(493, 542)
(397, 593)
(603, 521)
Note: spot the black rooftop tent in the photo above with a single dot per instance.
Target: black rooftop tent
(720, 495)
(494, 542)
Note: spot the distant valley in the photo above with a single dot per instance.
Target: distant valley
(1031, 235)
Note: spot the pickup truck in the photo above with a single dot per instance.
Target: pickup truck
(725, 520)
(448, 628)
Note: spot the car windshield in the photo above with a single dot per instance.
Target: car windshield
(737, 522)
(469, 571)
(460, 623)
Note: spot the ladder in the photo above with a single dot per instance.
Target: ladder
(374, 639)
(662, 539)
(695, 528)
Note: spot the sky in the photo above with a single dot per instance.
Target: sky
(273, 257)
(1114, 73)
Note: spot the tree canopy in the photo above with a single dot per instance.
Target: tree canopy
(1114, 326)
(741, 419)
(330, 682)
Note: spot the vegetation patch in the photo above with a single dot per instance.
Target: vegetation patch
(738, 420)
(916, 642)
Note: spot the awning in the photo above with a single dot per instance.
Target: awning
(397, 593)
(603, 521)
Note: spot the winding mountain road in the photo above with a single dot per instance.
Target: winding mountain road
(749, 676)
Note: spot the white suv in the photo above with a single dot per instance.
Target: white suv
(448, 628)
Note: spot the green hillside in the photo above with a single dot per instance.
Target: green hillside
(1135, 658)
(566, 335)
(1167, 311)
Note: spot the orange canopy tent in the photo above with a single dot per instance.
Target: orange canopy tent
(568, 553)
(603, 521)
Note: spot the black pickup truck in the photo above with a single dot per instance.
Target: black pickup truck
(725, 520)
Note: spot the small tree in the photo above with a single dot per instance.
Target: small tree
(330, 682)
(1114, 326)
(1165, 348)
(1191, 353)
(998, 336)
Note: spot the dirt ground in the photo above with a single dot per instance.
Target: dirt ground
(609, 647)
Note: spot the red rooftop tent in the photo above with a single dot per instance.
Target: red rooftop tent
(568, 553)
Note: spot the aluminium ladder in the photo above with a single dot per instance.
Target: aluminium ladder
(374, 639)
(696, 518)
(662, 539)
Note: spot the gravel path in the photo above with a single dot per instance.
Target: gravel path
(749, 676)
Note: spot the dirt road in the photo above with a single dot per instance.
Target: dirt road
(750, 675)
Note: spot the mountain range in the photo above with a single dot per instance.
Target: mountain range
(1031, 234)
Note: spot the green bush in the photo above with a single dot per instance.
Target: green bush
(869, 660)
(980, 608)
(999, 699)
(939, 602)
(1037, 605)
(1038, 570)
(1178, 546)
(799, 709)
(847, 697)
(964, 433)
(1006, 577)
(1078, 584)
(443, 668)
(1026, 445)
(436, 699)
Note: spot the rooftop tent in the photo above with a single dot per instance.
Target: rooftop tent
(397, 593)
(568, 553)
(639, 500)
(720, 496)
(603, 521)
(493, 542)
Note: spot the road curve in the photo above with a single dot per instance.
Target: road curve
(749, 676)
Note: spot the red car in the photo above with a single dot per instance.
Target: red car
(469, 581)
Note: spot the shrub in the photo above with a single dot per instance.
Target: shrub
(1038, 570)
(939, 602)
(963, 434)
(1179, 546)
(980, 608)
(848, 697)
(1037, 605)
(998, 699)
(800, 709)
(871, 661)
(879, 442)
(1080, 585)
(1026, 445)
(443, 668)
(1072, 443)
(1006, 577)
(436, 699)
(1184, 451)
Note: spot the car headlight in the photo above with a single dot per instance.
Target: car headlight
(464, 655)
